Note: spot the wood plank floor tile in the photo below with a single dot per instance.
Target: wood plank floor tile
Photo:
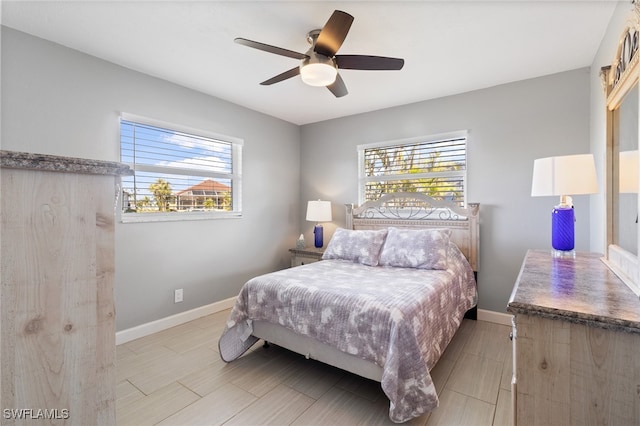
(160, 338)
(507, 375)
(139, 363)
(504, 409)
(155, 407)
(379, 416)
(441, 373)
(280, 406)
(213, 409)
(477, 377)
(366, 388)
(213, 321)
(337, 407)
(313, 378)
(159, 374)
(490, 340)
(207, 379)
(460, 410)
(190, 339)
(127, 393)
(267, 372)
(458, 342)
(124, 354)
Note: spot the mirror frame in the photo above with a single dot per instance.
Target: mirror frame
(618, 80)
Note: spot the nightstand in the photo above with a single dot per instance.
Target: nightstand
(305, 255)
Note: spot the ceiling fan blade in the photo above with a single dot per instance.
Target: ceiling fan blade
(333, 33)
(280, 77)
(338, 87)
(364, 62)
(270, 49)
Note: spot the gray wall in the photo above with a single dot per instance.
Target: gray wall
(509, 126)
(62, 102)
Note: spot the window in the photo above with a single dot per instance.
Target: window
(433, 165)
(178, 173)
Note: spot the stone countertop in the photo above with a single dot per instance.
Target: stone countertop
(53, 163)
(581, 290)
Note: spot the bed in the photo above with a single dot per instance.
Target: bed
(385, 301)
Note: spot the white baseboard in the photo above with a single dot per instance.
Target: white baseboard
(495, 317)
(142, 330)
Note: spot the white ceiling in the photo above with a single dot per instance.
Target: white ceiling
(449, 47)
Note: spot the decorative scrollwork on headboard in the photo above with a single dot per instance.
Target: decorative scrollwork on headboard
(413, 206)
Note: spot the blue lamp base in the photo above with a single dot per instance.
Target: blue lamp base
(317, 232)
(563, 231)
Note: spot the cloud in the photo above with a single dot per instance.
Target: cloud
(210, 163)
(194, 142)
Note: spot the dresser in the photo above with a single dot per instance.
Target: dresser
(576, 343)
(57, 315)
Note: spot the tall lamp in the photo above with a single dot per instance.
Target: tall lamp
(318, 211)
(564, 176)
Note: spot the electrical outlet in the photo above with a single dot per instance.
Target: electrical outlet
(177, 296)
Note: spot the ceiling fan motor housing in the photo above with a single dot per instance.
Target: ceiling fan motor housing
(312, 36)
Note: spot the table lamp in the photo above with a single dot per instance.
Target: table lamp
(564, 176)
(318, 211)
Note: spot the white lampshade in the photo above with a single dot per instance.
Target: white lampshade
(319, 211)
(566, 175)
(628, 169)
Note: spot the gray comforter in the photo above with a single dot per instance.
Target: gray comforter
(402, 319)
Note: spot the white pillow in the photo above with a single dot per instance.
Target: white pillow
(362, 246)
(416, 248)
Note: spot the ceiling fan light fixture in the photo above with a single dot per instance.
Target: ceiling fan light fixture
(318, 70)
(318, 74)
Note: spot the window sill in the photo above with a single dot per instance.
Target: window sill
(176, 217)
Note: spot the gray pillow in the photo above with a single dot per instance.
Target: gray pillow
(361, 246)
(416, 248)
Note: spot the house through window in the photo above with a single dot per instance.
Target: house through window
(178, 171)
(432, 165)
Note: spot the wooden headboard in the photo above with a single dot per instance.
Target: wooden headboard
(414, 210)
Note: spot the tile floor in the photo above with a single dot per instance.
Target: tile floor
(176, 377)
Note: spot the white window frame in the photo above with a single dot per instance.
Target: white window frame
(236, 175)
(363, 180)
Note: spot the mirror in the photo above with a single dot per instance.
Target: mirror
(626, 147)
(620, 81)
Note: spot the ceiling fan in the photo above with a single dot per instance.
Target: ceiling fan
(320, 64)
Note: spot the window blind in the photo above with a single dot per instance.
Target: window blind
(435, 166)
(177, 171)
